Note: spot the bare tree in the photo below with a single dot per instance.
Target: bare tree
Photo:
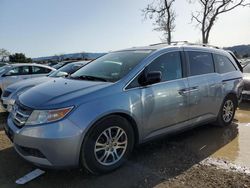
(210, 11)
(164, 16)
(4, 54)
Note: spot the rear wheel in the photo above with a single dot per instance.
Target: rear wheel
(227, 111)
(107, 145)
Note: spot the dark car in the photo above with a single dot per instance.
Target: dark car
(246, 78)
(61, 64)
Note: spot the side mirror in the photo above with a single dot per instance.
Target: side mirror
(62, 74)
(10, 73)
(150, 78)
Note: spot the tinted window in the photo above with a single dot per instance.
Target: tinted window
(169, 65)
(200, 63)
(24, 70)
(223, 64)
(70, 68)
(40, 70)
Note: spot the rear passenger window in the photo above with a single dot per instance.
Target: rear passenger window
(223, 64)
(200, 63)
(40, 70)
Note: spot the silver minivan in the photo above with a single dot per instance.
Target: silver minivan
(95, 117)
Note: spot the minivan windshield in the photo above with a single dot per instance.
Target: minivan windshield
(111, 67)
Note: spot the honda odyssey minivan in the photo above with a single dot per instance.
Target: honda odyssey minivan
(95, 117)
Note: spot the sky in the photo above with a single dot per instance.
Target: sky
(48, 27)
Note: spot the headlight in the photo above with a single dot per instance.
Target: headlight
(47, 116)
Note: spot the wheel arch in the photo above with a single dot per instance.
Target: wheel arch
(234, 95)
(132, 122)
(128, 117)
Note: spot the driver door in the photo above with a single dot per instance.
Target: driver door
(165, 104)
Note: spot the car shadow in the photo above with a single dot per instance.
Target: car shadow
(3, 119)
(149, 165)
(244, 105)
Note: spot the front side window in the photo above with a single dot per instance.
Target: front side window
(111, 67)
(223, 64)
(22, 70)
(200, 63)
(169, 65)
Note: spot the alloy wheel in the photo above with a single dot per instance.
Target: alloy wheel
(228, 111)
(110, 146)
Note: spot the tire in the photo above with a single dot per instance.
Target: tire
(227, 111)
(99, 154)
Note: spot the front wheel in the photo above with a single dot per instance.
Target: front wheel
(107, 145)
(227, 111)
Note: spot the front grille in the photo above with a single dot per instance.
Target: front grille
(6, 93)
(20, 114)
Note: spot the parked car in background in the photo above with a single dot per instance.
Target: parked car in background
(237, 61)
(11, 93)
(13, 73)
(52, 64)
(246, 78)
(3, 64)
(96, 116)
(62, 63)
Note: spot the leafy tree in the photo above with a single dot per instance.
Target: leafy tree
(19, 58)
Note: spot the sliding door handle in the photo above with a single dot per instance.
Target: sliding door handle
(183, 91)
(195, 88)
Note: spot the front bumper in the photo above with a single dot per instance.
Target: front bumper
(54, 145)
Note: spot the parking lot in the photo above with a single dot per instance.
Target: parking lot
(173, 161)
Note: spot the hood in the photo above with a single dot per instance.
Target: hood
(59, 92)
(27, 83)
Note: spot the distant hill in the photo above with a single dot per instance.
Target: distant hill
(240, 50)
(62, 57)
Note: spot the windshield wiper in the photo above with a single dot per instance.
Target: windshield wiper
(94, 78)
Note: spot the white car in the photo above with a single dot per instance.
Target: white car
(14, 73)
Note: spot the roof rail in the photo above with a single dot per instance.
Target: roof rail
(173, 42)
(204, 45)
(186, 42)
